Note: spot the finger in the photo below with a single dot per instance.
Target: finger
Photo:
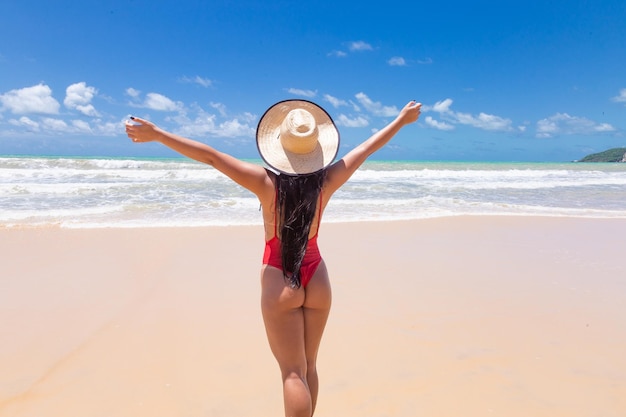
(139, 120)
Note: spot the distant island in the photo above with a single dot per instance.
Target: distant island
(611, 155)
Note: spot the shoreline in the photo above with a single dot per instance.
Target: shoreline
(435, 218)
(508, 315)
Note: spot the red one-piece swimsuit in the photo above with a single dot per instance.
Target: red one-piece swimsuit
(311, 260)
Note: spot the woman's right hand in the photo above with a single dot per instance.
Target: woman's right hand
(410, 113)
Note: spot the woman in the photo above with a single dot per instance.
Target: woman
(299, 140)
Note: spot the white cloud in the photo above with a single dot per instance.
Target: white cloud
(358, 121)
(56, 125)
(397, 61)
(206, 124)
(359, 46)
(376, 108)
(248, 117)
(219, 107)
(81, 126)
(109, 128)
(563, 123)
(335, 101)
(233, 128)
(437, 124)
(204, 82)
(35, 99)
(303, 93)
(546, 128)
(78, 96)
(202, 125)
(484, 121)
(442, 106)
(355, 46)
(156, 101)
(49, 125)
(426, 61)
(26, 122)
(621, 98)
(338, 54)
(132, 92)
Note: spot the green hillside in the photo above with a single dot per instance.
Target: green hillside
(611, 155)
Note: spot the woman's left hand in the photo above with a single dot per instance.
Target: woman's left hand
(144, 131)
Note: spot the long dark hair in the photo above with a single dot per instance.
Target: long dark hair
(296, 207)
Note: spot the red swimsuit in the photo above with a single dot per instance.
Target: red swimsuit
(312, 257)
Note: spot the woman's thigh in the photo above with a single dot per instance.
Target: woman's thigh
(283, 316)
(318, 298)
(295, 318)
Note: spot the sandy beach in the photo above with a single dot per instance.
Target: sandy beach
(448, 317)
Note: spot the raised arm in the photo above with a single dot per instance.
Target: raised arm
(342, 170)
(250, 176)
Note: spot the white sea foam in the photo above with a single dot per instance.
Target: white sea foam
(76, 192)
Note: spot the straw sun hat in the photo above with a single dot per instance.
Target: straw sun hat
(297, 137)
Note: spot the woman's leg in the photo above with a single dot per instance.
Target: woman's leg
(294, 323)
(284, 324)
(316, 309)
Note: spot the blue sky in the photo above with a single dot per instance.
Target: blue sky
(499, 81)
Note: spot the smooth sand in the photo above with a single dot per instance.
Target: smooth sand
(478, 316)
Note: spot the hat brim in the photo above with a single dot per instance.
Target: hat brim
(272, 151)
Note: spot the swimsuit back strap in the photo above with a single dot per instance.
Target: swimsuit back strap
(319, 215)
(276, 212)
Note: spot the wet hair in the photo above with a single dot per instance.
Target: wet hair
(296, 207)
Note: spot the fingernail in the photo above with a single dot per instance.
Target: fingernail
(132, 117)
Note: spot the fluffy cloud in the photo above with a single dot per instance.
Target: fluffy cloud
(204, 82)
(206, 124)
(438, 125)
(81, 126)
(564, 124)
(132, 92)
(482, 120)
(442, 106)
(621, 98)
(57, 126)
(303, 93)
(25, 122)
(358, 121)
(338, 54)
(234, 128)
(359, 46)
(159, 102)
(355, 46)
(334, 101)
(397, 61)
(78, 96)
(153, 101)
(220, 107)
(376, 108)
(35, 99)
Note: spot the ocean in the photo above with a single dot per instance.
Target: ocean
(116, 192)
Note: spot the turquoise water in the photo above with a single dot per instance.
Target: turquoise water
(94, 192)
